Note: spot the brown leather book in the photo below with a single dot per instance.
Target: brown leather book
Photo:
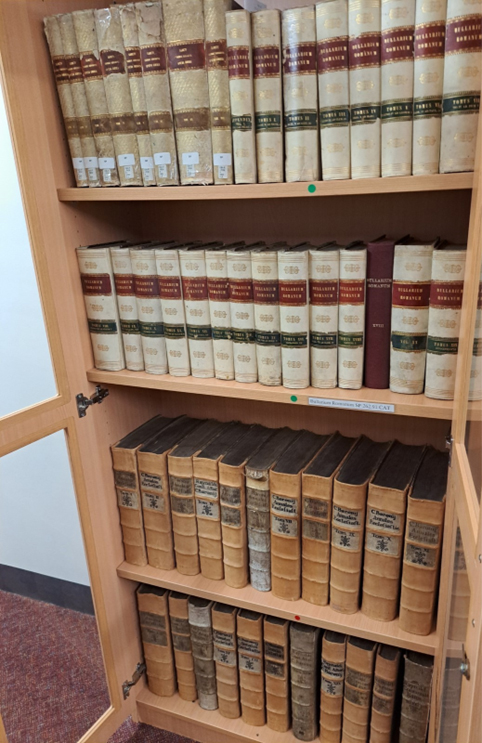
(417, 686)
(250, 661)
(304, 667)
(181, 641)
(156, 640)
(200, 624)
(387, 665)
(378, 312)
(276, 672)
(226, 659)
(333, 650)
(360, 662)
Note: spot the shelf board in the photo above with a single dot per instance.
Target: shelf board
(417, 406)
(445, 182)
(248, 598)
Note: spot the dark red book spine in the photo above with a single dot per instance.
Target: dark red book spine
(378, 313)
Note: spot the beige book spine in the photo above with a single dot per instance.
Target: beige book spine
(417, 687)
(114, 70)
(351, 318)
(475, 388)
(62, 81)
(127, 305)
(220, 313)
(156, 640)
(324, 274)
(153, 52)
(183, 510)
(317, 495)
(360, 662)
(232, 495)
(276, 672)
(285, 508)
(387, 663)
(268, 95)
(149, 307)
(460, 601)
(264, 266)
(184, 24)
(156, 509)
(294, 318)
(242, 315)
(130, 509)
(172, 304)
(218, 81)
(304, 666)
(226, 660)
(332, 687)
(259, 534)
(196, 308)
(251, 667)
(181, 642)
(208, 516)
(200, 624)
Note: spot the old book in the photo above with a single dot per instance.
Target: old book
(364, 26)
(218, 82)
(412, 271)
(333, 650)
(226, 660)
(127, 487)
(251, 666)
(317, 496)
(268, 95)
(460, 598)
(285, 510)
(264, 266)
(294, 316)
(398, 21)
(127, 306)
(324, 273)
(114, 69)
(200, 624)
(257, 505)
(181, 642)
(300, 95)
(196, 308)
(428, 75)
(461, 89)
(348, 521)
(184, 25)
(378, 310)
(242, 313)
(172, 304)
(387, 664)
(156, 639)
(146, 285)
(416, 690)
(360, 662)
(152, 43)
(385, 526)
(98, 288)
(277, 673)
(423, 541)
(475, 387)
(240, 67)
(333, 88)
(445, 305)
(220, 313)
(304, 667)
(351, 316)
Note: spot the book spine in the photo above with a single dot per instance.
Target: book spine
(351, 318)
(172, 304)
(156, 643)
(232, 495)
(304, 655)
(332, 687)
(316, 537)
(181, 642)
(238, 30)
(127, 305)
(200, 624)
(429, 44)
(277, 674)
(445, 305)
(412, 269)
(358, 692)
(220, 313)
(268, 95)
(103, 320)
(208, 516)
(384, 694)
(285, 507)
(333, 88)
(126, 481)
(218, 81)
(264, 266)
(294, 318)
(62, 82)
(226, 660)
(183, 510)
(417, 685)
(156, 509)
(460, 601)
(347, 526)
(146, 283)
(153, 53)
(259, 534)
(461, 89)
(365, 87)
(196, 309)
(324, 273)
(398, 21)
(84, 25)
(378, 311)
(184, 25)
(475, 388)
(251, 670)
(242, 316)
(119, 102)
(300, 95)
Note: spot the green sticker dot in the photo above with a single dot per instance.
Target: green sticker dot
(293, 398)
(311, 188)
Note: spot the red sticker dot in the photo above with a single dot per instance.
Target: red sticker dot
(297, 619)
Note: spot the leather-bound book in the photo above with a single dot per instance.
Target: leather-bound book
(351, 315)
(149, 308)
(127, 306)
(305, 680)
(242, 313)
(348, 522)
(294, 316)
(378, 311)
(200, 624)
(324, 274)
(226, 660)
(172, 304)
(387, 664)
(423, 543)
(333, 650)
(357, 702)
(156, 640)
(277, 673)
(385, 526)
(181, 642)
(264, 266)
(317, 496)
(416, 690)
(196, 308)
(251, 671)
(285, 508)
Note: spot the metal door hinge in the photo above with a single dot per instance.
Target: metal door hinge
(465, 665)
(84, 402)
(127, 685)
(448, 445)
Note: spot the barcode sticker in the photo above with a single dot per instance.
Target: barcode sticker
(191, 171)
(124, 160)
(129, 172)
(222, 171)
(375, 407)
(92, 173)
(162, 171)
(164, 158)
(106, 163)
(106, 175)
(190, 158)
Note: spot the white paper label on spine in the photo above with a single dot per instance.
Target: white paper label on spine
(190, 158)
(124, 160)
(222, 158)
(162, 158)
(376, 407)
(106, 163)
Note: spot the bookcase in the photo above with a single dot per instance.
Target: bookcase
(61, 217)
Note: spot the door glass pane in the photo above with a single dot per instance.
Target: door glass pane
(473, 435)
(52, 678)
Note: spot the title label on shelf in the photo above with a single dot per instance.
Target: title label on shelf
(373, 407)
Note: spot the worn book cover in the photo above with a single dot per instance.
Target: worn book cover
(152, 603)
(172, 304)
(226, 660)
(251, 666)
(196, 308)
(324, 274)
(264, 266)
(149, 308)
(351, 316)
(387, 663)
(277, 673)
(220, 313)
(360, 663)
(181, 642)
(305, 680)
(333, 650)
(294, 316)
(127, 305)
(200, 624)
(241, 299)
(417, 687)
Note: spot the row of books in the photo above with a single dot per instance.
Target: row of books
(284, 674)
(191, 92)
(330, 519)
(386, 313)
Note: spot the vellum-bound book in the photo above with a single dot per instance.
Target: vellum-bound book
(200, 624)
(156, 640)
(417, 688)
(294, 317)
(333, 88)
(127, 305)
(181, 642)
(387, 663)
(360, 662)
(149, 308)
(196, 308)
(304, 666)
(351, 316)
(250, 662)
(475, 388)
(333, 651)
(172, 304)
(226, 660)
(264, 266)
(220, 313)
(277, 673)
(324, 273)
(348, 522)
(300, 95)
(242, 314)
